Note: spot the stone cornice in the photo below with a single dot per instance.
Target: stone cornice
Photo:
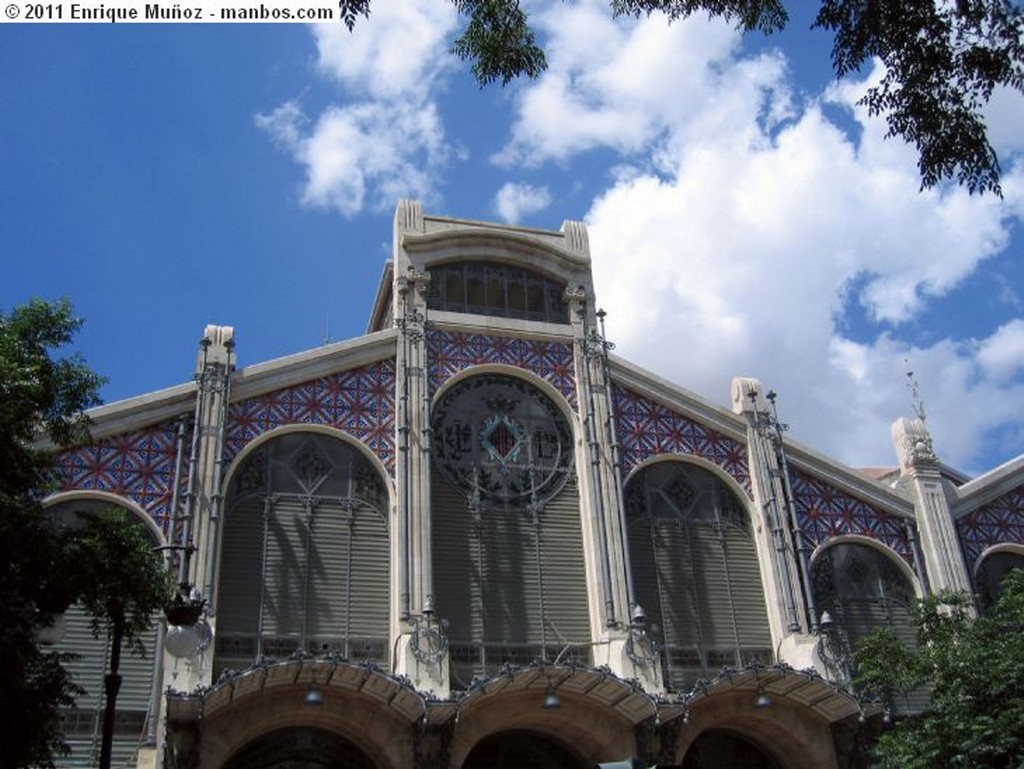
(985, 488)
(489, 242)
(155, 407)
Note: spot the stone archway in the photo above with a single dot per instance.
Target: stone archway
(300, 748)
(521, 749)
(716, 748)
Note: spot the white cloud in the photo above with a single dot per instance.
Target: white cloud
(616, 83)
(368, 153)
(747, 225)
(739, 226)
(1001, 356)
(514, 201)
(400, 51)
(386, 140)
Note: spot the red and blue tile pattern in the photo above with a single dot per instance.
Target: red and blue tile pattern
(824, 512)
(450, 352)
(647, 429)
(1000, 521)
(360, 402)
(138, 466)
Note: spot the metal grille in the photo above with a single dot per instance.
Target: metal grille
(862, 590)
(503, 604)
(502, 290)
(695, 571)
(305, 558)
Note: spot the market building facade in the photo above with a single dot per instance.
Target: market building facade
(473, 537)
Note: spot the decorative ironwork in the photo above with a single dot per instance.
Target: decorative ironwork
(684, 493)
(858, 588)
(834, 650)
(641, 649)
(305, 464)
(502, 439)
(429, 641)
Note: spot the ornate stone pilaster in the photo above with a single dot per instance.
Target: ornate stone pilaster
(631, 653)
(779, 542)
(422, 649)
(940, 547)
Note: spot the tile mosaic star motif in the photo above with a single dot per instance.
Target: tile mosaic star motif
(450, 352)
(360, 402)
(1000, 521)
(824, 511)
(647, 429)
(138, 466)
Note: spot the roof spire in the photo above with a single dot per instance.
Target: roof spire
(915, 393)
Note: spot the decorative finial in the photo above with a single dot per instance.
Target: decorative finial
(915, 393)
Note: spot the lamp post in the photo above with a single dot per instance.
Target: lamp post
(834, 649)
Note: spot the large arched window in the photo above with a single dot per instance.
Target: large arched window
(83, 723)
(508, 561)
(695, 571)
(502, 290)
(991, 571)
(304, 555)
(863, 589)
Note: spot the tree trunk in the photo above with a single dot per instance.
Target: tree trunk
(112, 685)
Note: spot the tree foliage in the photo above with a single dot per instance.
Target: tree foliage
(974, 667)
(123, 581)
(943, 61)
(39, 391)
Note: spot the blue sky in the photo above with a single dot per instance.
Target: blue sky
(166, 177)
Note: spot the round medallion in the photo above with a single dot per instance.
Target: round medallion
(501, 440)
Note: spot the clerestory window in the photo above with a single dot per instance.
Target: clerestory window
(500, 290)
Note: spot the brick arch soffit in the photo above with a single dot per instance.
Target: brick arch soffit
(330, 728)
(1001, 547)
(513, 372)
(880, 547)
(576, 725)
(259, 719)
(790, 745)
(331, 432)
(114, 500)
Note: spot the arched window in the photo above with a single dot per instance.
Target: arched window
(695, 571)
(502, 290)
(83, 723)
(508, 561)
(991, 571)
(862, 589)
(304, 556)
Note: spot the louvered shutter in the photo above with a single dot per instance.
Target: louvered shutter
(696, 573)
(502, 604)
(83, 723)
(325, 584)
